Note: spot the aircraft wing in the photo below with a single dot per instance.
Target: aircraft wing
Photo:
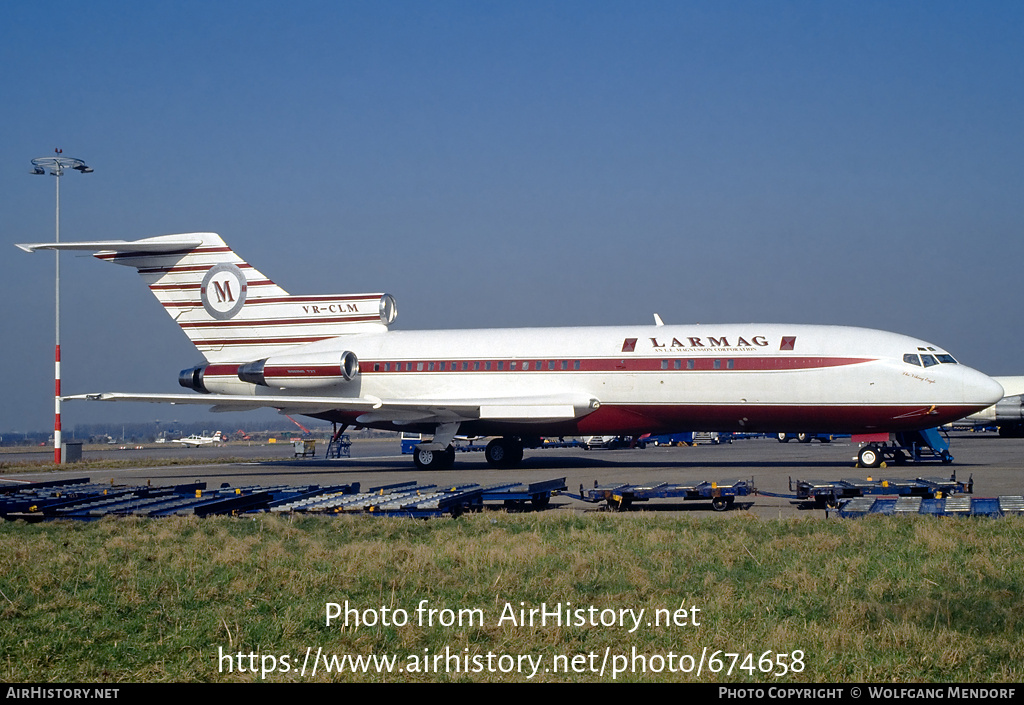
(404, 411)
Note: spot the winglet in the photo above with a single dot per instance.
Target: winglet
(657, 321)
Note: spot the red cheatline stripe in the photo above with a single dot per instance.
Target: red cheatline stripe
(757, 364)
(259, 322)
(256, 299)
(323, 298)
(196, 268)
(196, 285)
(206, 344)
(221, 370)
(291, 299)
(701, 364)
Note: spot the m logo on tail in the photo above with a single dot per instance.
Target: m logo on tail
(223, 291)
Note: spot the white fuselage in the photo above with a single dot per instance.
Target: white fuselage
(754, 377)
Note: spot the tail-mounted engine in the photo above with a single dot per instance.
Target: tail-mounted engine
(192, 378)
(301, 371)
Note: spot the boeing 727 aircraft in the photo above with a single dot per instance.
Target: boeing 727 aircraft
(333, 358)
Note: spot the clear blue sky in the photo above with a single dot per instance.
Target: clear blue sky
(516, 163)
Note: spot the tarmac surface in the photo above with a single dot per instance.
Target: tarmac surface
(995, 464)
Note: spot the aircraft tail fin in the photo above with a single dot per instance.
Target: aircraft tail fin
(229, 310)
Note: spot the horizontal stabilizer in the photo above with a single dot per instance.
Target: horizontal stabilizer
(164, 243)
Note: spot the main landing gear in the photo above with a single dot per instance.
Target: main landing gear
(434, 459)
(504, 452)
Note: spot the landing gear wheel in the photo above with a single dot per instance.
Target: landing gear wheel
(503, 452)
(869, 457)
(434, 459)
(424, 459)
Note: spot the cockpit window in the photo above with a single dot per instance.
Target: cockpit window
(929, 360)
(912, 359)
(947, 359)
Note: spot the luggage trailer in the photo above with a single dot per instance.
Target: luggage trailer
(830, 493)
(83, 500)
(993, 507)
(621, 496)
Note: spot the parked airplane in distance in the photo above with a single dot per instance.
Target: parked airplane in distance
(333, 358)
(197, 439)
(1007, 414)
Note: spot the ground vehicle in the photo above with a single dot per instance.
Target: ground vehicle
(804, 437)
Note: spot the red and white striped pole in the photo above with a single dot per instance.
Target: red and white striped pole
(56, 298)
(56, 166)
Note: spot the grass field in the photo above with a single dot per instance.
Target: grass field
(880, 599)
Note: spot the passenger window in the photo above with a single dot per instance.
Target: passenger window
(929, 360)
(912, 359)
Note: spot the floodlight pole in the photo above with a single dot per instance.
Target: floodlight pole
(56, 166)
